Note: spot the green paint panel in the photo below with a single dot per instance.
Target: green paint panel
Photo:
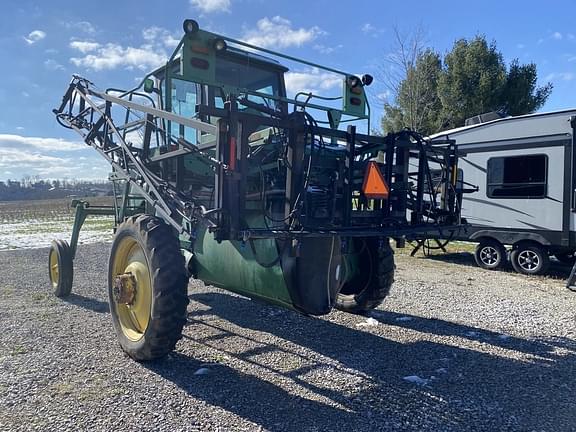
(232, 265)
(199, 58)
(354, 101)
(198, 166)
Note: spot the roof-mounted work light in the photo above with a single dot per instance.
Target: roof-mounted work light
(367, 79)
(220, 44)
(190, 26)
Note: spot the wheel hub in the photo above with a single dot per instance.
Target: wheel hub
(125, 288)
(489, 255)
(528, 260)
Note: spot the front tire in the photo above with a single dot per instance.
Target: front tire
(530, 259)
(490, 254)
(147, 287)
(368, 289)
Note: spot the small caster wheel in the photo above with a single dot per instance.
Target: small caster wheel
(60, 268)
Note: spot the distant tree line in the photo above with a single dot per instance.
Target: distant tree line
(33, 188)
(430, 93)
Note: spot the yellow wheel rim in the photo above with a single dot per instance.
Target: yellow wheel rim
(54, 270)
(133, 317)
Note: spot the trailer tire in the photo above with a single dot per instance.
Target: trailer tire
(373, 292)
(60, 268)
(147, 287)
(490, 254)
(530, 259)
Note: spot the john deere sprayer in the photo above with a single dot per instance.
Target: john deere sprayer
(220, 176)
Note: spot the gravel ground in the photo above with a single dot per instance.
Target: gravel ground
(454, 348)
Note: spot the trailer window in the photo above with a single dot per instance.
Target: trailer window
(517, 177)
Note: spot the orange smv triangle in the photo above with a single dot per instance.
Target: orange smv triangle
(374, 185)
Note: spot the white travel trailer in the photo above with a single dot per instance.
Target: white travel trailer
(525, 169)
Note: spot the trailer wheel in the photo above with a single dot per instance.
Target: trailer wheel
(530, 259)
(60, 268)
(147, 287)
(369, 289)
(490, 254)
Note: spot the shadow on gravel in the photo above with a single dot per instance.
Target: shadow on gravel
(250, 397)
(87, 303)
(357, 380)
(557, 269)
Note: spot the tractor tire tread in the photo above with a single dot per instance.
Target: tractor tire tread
(374, 294)
(66, 268)
(169, 289)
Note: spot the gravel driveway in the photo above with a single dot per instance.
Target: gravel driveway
(453, 348)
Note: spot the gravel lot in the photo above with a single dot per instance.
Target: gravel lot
(454, 348)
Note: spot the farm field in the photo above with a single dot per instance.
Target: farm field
(31, 224)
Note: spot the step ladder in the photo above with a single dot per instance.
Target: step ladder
(571, 281)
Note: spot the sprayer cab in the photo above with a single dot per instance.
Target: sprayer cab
(225, 68)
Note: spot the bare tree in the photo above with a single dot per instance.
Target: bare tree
(409, 76)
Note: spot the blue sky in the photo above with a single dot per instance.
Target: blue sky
(42, 43)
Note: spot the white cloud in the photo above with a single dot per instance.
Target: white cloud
(45, 144)
(160, 36)
(367, 28)
(384, 96)
(34, 36)
(371, 30)
(53, 65)
(152, 54)
(557, 35)
(311, 80)
(84, 46)
(209, 6)
(326, 49)
(15, 158)
(83, 26)
(111, 56)
(560, 76)
(277, 32)
(20, 161)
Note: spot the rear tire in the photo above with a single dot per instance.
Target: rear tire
(530, 259)
(149, 315)
(490, 254)
(61, 268)
(369, 289)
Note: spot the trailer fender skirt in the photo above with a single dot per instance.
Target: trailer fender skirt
(510, 237)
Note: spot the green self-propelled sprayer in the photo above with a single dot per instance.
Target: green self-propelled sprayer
(220, 176)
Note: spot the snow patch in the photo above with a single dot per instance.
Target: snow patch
(370, 322)
(37, 234)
